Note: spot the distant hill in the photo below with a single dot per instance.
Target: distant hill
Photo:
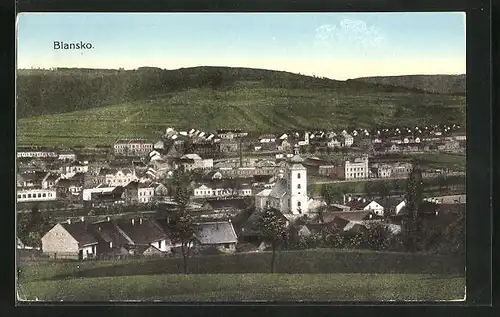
(71, 89)
(90, 107)
(441, 84)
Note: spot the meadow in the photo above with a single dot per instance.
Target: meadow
(321, 274)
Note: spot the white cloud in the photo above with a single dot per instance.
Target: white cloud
(349, 34)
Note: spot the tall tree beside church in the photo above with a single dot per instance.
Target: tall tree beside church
(273, 230)
(413, 222)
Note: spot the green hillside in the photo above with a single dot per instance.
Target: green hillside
(95, 106)
(441, 84)
(247, 105)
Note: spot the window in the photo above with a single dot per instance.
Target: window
(159, 244)
(298, 204)
(298, 175)
(44, 195)
(29, 195)
(24, 195)
(18, 196)
(298, 186)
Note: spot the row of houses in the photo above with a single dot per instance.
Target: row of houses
(82, 240)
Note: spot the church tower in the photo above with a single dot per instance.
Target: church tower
(297, 191)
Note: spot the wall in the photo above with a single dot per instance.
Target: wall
(59, 241)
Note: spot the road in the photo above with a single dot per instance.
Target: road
(378, 179)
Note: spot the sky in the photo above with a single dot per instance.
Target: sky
(334, 45)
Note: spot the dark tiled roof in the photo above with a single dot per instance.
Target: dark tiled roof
(108, 232)
(80, 232)
(216, 233)
(144, 233)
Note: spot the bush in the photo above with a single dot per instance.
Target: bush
(378, 236)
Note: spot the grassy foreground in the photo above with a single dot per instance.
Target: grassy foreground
(251, 287)
(319, 274)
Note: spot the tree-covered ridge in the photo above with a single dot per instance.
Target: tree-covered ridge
(62, 90)
(441, 84)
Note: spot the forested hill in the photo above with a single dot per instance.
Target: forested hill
(64, 90)
(441, 84)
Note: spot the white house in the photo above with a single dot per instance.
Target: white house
(145, 193)
(69, 241)
(133, 147)
(375, 207)
(118, 177)
(87, 192)
(348, 140)
(37, 153)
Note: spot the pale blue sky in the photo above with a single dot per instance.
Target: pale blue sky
(334, 45)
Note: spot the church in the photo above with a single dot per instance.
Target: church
(289, 194)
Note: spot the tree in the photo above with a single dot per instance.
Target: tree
(378, 236)
(381, 188)
(369, 188)
(330, 193)
(412, 226)
(442, 183)
(273, 230)
(181, 224)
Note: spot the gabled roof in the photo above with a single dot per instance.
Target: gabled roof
(108, 232)
(216, 233)
(144, 233)
(280, 189)
(79, 231)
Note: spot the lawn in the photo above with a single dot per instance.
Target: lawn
(253, 109)
(251, 287)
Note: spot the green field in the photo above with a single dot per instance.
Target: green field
(451, 161)
(320, 274)
(248, 107)
(251, 287)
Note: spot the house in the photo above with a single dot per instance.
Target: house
(347, 140)
(118, 176)
(219, 235)
(30, 179)
(70, 240)
(102, 194)
(50, 180)
(194, 161)
(154, 156)
(333, 143)
(227, 146)
(132, 147)
(284, 146)
(289, 194)
(68, 170)
(72, 186)
(267, 138)
(142, 233)
(160, 145)
(358, 169)
(137, 192)
(67, 156)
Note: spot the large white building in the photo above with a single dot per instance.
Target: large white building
(133, 147)
(32, 195)
(289, 194)
(358, 169)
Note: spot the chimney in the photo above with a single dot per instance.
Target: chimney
(69, 221)
(140, 220)
(133, 221)
(108, 219)
(82, 218)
